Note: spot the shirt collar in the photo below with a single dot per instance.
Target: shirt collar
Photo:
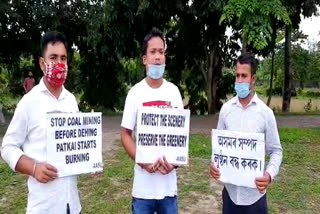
(43, 87)
(253, 100)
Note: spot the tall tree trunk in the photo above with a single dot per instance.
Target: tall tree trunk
(244, 44)
(211, 103)
(287, 71)
(213, 59)
(215, 34)
(274, 38)
(271, 78)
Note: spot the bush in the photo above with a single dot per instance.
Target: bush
(6, 98)
(8, 108)
(310, 93)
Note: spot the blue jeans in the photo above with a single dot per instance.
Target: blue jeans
(168, 205)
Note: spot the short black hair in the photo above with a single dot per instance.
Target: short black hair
(51, 37)
(155, 32)
(249, 59)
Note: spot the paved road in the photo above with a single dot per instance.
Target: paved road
(200, 124)
(204, 124)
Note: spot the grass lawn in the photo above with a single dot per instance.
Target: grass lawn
(295, 190)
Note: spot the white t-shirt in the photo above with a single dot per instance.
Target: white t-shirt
(151, 185)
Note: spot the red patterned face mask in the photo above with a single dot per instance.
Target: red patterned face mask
(56, 74)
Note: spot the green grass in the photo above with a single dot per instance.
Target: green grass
(194, 182)
(109, 192)
(295, 190)
(13, 191)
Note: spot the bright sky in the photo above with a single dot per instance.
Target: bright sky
(311, 27)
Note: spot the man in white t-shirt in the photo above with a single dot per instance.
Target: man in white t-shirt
(154, 185)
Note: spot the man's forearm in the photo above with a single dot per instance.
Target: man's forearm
(25, 165)
(128, 143)
(274, 163)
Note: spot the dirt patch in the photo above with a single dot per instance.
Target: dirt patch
(204, 204)
(111, 132)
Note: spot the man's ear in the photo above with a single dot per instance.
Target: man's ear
(144, 59)
(253, 79)
(41, 63)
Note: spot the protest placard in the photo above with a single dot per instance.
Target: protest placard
(162, 132)
(240, 156)
(74, 142)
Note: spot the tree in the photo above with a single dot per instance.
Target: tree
(258, 22)
(24, 22)
(200, 51)
(296, 8)
(305, 65)
(120, 28)
(255, 19)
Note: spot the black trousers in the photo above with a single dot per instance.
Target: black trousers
(228, 207)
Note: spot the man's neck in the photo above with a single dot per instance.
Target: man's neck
(54, 91)
(153, 83)
(245, 101)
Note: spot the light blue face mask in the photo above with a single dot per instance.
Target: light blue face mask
(242, 89)
(155, 71)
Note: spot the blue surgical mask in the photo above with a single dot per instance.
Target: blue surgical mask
(242, 89)
(155, 71)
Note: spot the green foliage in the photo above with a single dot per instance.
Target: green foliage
(305, 66)
(196, 87)
(309, 93)
(254, 18)
(226, 84)
(105, 36)
(8, 102)
(3, 81)
(197, 54)
(133, 70)
(74, 81)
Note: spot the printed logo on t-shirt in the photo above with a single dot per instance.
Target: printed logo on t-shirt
(158, 103)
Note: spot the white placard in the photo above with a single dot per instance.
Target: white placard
(240, 156)
(74, 142)
(162, 132)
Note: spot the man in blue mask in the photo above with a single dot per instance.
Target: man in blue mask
(247, 113)
(155, 185)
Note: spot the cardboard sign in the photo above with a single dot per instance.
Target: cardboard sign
(240, 156)
(74, 142)
(162, 132)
